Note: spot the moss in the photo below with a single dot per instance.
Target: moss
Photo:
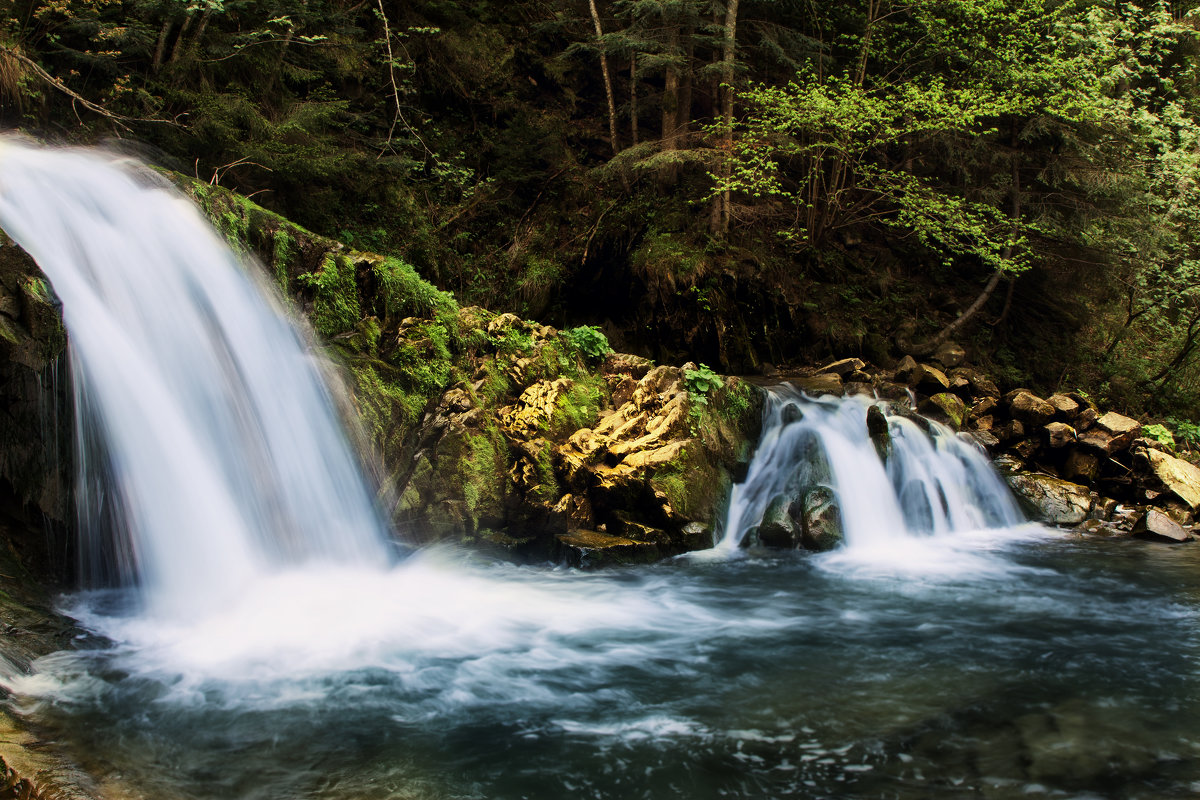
(578, 407)
(336, 308)
(386, 408)
(547, 489)
(281, 252)
(483, 468)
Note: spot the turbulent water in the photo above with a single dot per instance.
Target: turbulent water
(264, 645)
(210, 452)
(933, 481)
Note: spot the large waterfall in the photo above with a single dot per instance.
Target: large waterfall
(209, 447)
(928, 482)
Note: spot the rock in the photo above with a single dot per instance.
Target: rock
(1177, 475)
(904, 369)
(822, 528)
(626, 364)
(1090, 525)
(1099, 441)
(950, 355)
(1102, 508)
(1025, 449)
(980, 384)
(842, 368)
(877, 429)
(985, 438)
(779, 527)
(585, 549)
(1008, 465)
(818, 385)
(1178, 511)
(1086, 419)
(947, 405)
(1059, 434)
(1029, 408)
(984, 407)
(1052, 500)
(1064, 406)
(1123, 429)
(1123, 518)
(1155, 526)
(696, 536)
(1081, 467)
(984, 423)
(928, 380)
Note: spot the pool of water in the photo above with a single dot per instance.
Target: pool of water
(1014, 664)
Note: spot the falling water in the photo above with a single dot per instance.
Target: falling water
(208, 444)
(932, 481)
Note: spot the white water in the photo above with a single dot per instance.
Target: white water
(198, 398)
(934, 484)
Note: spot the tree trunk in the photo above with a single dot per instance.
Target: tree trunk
(683, 118)
(729, 54)
(160, 49)
(1014, 214)
(670, 98)
(633, 99)
(608, 89)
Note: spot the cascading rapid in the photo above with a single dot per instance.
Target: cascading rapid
(209, 446)
(851, 470)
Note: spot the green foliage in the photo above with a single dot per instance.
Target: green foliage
(700, 382)
(578, 407)
(589, 341)
(336, 306)
(1187, 433)
(1159, 434)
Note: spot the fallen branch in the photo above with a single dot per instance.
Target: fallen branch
(88, 104)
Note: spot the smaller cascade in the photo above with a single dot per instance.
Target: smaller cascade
(850, 470)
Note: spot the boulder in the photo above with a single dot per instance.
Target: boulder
(1180, 477)
(947, 405)
(586, 549)
(1059, 434)
(950, 355)
(1086, 419)
(1081, 466)
(1051, 500)
(818, 385)
(1156, 526)
(1122, 429)
(1010, 431)
(928, 380)
(904, 369)
(980, 384)
(822, 528)
(877, 429)
(779, 527)
(842, 368)
(985, 438)
(1064, 406)
(1099, 441)
(1028, 407)
(1102, 508)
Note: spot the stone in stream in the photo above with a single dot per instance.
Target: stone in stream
(877, 429)
(822, 520)
(1156, 526)
(779, 527)
(1052, 500)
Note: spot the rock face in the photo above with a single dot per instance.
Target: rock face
(1051, 500)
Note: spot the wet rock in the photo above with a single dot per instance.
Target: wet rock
(1059, 434)
(1051, 500)
(587, 549)
(842, 368)
(948, 406)
(1156, 526)
(1102, 508)
(985, 438)
(696, 536)
(1029, 408)
(779, 526)
(822, 529)
(1180, 477)
(1125, 517)
(1008, 464)
(877, 429)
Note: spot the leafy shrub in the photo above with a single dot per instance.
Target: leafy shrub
(1186, 433)
(1159, 434)
(700, 382)
(589, 341)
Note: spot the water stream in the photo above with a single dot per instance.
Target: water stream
(259, 642)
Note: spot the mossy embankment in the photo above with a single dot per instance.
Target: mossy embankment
(498, 432)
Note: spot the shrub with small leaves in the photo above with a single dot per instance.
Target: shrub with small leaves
(1159, 434)
(589, 341)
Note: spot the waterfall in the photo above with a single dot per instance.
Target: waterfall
(209, 447)
(931, 481)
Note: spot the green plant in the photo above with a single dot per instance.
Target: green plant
(1186, 433)
(700, 382)
(1159, 434)
(589, 341)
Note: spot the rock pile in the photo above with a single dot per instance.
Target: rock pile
(1068, 461)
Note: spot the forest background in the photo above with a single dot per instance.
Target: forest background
(754, 184)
